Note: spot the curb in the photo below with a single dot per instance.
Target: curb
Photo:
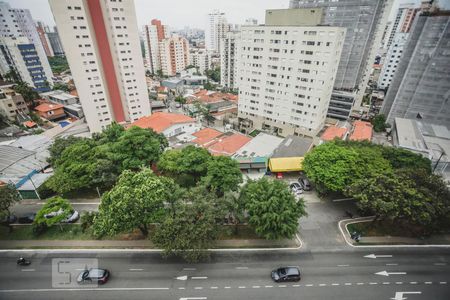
(366, 219)
(112, 250)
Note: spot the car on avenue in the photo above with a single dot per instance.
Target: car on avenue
(284, 274)
(94, 275)
(296, 188)
(27, 219)
(74, 216)
(304, 182)
(9, 220)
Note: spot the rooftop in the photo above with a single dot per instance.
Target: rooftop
(205, 136)
(228, 144)
(263, 145)
(160, 121)
(45, 107)
(293, 146)
(333, 132)
(361, 131)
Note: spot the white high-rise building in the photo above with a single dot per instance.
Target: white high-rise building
(200, 58)
(216, 29)
(19, 24)
(153, 35)
(101, 43)
(286, 71)
(229, 55)
(174, 52)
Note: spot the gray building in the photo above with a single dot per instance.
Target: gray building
(55, 42)
(365, 22)
(421, 85)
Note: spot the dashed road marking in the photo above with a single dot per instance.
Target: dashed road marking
(360, 283)
(428, 282)
(241, 287)
(227, 287)
(241, 268)
(136, 269)
(282, 286)
(256, 286)
(391, 264)
(399, 282)
(413, 282)
(295, 285)
(443, 282)
(373, 283)
(386, 283)
(322, 284)
(181, 288)
(214, 287)
(28, 270)
(348, 283)
(189, 269)
(343, 265)
(439, 264)
(310, 285)
(268, 286)
(199, 277)
(335, 284)
(198, 288)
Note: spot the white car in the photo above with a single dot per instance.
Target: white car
(71, 219)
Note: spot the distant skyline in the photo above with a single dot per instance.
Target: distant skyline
(175, 13)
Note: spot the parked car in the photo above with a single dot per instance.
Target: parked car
(286, 274)
(94, 275)
(27, 219)
(73, 218)
(9, 220)
(296, 188)
(304, 182)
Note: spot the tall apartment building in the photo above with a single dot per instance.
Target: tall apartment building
(216, 29)
(286, 71)
(421, 85)
(101, 43)
(365, 23)
(174, 52)
(153, 35)
(229, 55)
(200, 58)
(42, 31)
(18, 24)
(55, 42)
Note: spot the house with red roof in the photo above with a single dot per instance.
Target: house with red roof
(205, 136)
(333, 132)
(50, 111)
(362, 131)
(227, 145)
(169, 124)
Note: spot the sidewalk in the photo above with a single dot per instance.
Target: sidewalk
(137, 244)
(443, 239)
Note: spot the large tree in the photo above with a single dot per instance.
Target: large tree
(405, 159)
(223, 175)
(136, 201)
(379, 123)
(272, 208)
(58, 208)
(8, 197)
(191, 228)
(28, 94)
(58, 146)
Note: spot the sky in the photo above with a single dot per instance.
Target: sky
(175, 13)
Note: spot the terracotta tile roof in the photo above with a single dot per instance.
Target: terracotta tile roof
(361, 131)
(333, 132)
(228, 145)
(160, 121)
(74, 93)
(205, 136)
(29, 124)
(45, 107)
(206, 96)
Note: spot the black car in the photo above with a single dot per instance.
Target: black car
(306, 185)
(286, 274)
(27, 219)
(94, 275)
(9, 220)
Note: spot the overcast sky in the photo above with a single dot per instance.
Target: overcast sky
(175, 13)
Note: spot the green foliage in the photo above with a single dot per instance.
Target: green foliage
(87, 220)
(379, 123)
(191, 228)
(12, 76)
(223, 175)
(209, 86)
(58, 64)
(272, 208)
(8, 197)
(402, 158)
(58, 146)
(134, 202)
(214, 75)
(26, 91)
(62, 207)
(189, 161)
(35, 118)
(61, 86)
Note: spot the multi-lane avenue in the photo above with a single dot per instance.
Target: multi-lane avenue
(411, 273)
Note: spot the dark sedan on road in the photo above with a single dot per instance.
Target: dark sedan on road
(306, 185)
(286, 274)
(27, 219)
(94, 275)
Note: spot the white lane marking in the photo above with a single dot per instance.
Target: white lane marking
(241, 287)
(136, 269)
(256, 286)
(348, 283)
(182, 277)
(295, 285)
(413, 282)
(181, 288)
(189, 269)
(227, 287)
(198, 288)
(386, 283)
(310, 285)
(399, 282)
(214, 287)
(399, 295)
(85, 289)
(199, 277)
(386, 273)
(268, 286)
(343, 199)
(322, 284)
(391, 264)
(28, 270)
(343, 265)
(335, 284)
(376, 256)
(282, 286)
(80, 269)
(373, 283)
(428, 282)
(194, 298)
(360, 283)
(241, 268)
(443, 282)
(439, 264)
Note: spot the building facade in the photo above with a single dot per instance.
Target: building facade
(365, 23)
(215, 30)
(200, 58)
(286, 76)
(18, 24)
(174, 52)
(101, 43)
(153, 35)
(42, 32)
(420, 88)
(229, 55)
(55, 42)
(12, 104)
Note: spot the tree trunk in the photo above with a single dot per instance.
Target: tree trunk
(144, 230)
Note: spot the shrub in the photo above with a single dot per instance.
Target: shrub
(87, 220)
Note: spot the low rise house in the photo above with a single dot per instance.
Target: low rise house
(289, 155)
(334, 132)
(228, 144)
(169, 124)
(12, 104)
(362, 131)
(50, 111)
(60, 97)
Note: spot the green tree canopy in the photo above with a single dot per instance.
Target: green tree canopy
(60, 207)
(402, 158)
(61, 86)
(8, 197)
(28, 94)
(134, 202)
(223, 175)
(58, 146)
(379, 123)
(192, 228)
(272, 208)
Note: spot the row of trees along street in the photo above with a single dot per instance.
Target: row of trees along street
(180, 199)
(395, 185)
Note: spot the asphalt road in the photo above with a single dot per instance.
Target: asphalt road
(236, 275)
